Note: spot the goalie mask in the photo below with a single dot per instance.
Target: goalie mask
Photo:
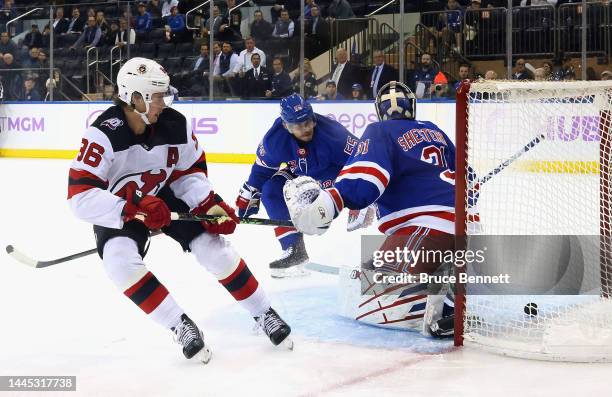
(395, 101)
(145, 77)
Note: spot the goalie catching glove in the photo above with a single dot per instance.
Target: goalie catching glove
(214, 205)
(311, 209)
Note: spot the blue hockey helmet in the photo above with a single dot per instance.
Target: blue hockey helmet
(295, 109)
(395, 101)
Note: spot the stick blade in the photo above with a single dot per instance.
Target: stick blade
(21, 257)
(327, 269)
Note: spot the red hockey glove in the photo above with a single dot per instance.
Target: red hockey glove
(150, 210)
(214, 205)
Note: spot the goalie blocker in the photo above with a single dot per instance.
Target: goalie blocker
(407, 168)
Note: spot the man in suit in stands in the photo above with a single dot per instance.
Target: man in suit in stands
(257, 80)
(60, 24)
(317, 33)
(344, 74)
(76, 23)
(381, 74)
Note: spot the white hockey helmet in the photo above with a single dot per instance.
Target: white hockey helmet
(145, 77)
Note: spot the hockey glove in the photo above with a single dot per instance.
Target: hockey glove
(214, 205)
(150, 210)
(248, 201)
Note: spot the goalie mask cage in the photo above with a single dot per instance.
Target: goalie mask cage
(558, 192)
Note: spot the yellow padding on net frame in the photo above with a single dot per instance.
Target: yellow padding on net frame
(237, 158)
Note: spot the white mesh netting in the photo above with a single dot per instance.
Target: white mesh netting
(556, 192)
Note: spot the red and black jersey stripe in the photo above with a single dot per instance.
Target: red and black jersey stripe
(241, 283)
(80, 181)
(198, 166)
(147, 293)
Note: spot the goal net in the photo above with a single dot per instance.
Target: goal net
(534, 191)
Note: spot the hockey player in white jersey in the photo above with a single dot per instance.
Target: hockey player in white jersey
(138, 162)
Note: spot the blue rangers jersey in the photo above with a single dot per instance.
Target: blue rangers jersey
(322, 158)
(408, 168)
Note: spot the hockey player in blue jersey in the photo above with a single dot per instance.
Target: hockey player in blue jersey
(407, 168)
(308, 144)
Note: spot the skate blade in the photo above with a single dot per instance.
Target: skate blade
(291, 272)
(287, 343)
(204, 355)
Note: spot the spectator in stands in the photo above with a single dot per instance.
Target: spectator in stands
(221, 27)
(257, 80)
(91, 12)
(236, 16)
(520, 72)
(261, 29)
(102, 23)
(167, 7)
(606, 75)
(144, 22)
(539, 74)
(291, 6)
(423, 76)
(29, 92)
(464, 74)
(449, 24)
(154, 9)
(308, 4)
(7, 46)
(440, 87)
(46, 36)
(201, 63)
(357, 94)
(121, 37)
(33, 38)
(564, 69)
(381, 73)
(310, 81)
(76, 24)
(344, 73)
(90, 36)
(548, 68)
(247, 53)
(11, 79)
(43, 61)
(60, 23)
(284, 26)
(7, 12)
(108, 39)
(340, 9)
(176, 22)
(317, 33)
(229, 67)
(32, 60)
(490, 75)
(331, 92)
(281, 82)
(234, 26)
(197, 75)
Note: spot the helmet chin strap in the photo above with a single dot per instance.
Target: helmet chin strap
(143, 115)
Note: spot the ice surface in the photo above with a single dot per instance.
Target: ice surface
(70, 320)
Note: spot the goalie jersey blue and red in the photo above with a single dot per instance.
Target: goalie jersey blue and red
(408, 168)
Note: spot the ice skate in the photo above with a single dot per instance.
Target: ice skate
(275, 328)
(291, 263)
(191, 338)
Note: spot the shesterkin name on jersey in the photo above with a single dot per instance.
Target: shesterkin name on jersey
(112, 159)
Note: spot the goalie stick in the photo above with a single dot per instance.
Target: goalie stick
(29, 261)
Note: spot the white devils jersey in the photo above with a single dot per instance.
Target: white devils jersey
(112, 158)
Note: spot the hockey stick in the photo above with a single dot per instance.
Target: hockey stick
(184, 216)
(326, 269)
(29, 261)
(511, 160)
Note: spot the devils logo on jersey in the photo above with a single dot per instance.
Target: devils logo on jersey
(147, 182)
